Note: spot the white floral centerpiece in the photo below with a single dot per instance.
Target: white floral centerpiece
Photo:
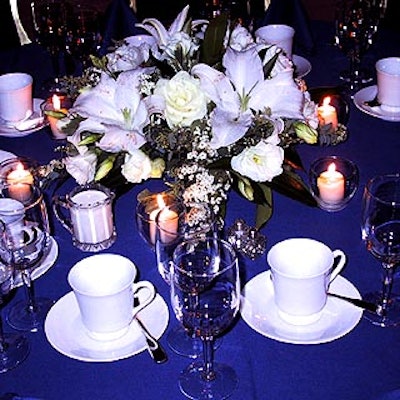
(201, 104)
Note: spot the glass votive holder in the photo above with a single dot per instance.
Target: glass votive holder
(161, 206)
(18, 170)
(333, 182)
(56, 108)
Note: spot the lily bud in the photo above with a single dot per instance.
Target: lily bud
(157, 168)
(305, 132)
(246, 189)
(104, 168)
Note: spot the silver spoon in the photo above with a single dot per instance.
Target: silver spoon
(366, 305)
(155, 349)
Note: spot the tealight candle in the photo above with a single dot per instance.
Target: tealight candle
(54, 105)
(19, 180)
(167, 220)
(331, 185)
(327, 113)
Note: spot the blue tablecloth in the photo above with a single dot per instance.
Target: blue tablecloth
(364, 364)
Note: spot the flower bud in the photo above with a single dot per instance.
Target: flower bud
(157, 168)
(246, 189)
(104, 168)
(305, 132)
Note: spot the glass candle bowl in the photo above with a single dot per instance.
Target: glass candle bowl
(333, 182)
(164, 207)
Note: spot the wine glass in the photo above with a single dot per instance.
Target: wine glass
(27, 237)
(14, 348)
(380, 229)
(198, 223)
(356, 23)
(205, 296)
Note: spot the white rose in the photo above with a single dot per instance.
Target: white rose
(185, 102)
(82, 167)
(137, 167)
(260, 163)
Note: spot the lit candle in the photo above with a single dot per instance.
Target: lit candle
(327, 113)
(167, 221)
(18, 180)
(331, 185)
(55, 106)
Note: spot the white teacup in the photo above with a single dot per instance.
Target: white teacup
(301, 271)
(15, 96)
(104, 288)
(388, 79)
(278, 34)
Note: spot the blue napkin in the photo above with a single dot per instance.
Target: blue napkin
(292, 13)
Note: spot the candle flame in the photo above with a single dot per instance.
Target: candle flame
(19, 167)
(160, 201)
(326, 101)
(332, 167)
(56, 102)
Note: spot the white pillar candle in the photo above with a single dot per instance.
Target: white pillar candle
(331, 185)
(19, 180)
(327, 113)
(92, 223)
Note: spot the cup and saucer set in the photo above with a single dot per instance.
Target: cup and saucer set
(20, 114)
(289, 303)
(383, 99)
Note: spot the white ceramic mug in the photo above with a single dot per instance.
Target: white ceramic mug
(277, 34)
(388, 80)
(91, 220)
(15, 96)
(104, 288)
(301, 271)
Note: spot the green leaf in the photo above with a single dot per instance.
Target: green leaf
(270, 65)
(212, 47)
(291, 185)
(264, 209)
(55, 114)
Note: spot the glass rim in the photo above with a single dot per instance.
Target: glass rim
(380, 179)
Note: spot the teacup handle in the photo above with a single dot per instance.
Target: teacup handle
(342, 261)
(58, 202)
(149, 287)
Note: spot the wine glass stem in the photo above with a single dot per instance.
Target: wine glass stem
(387, 285)
(28, 283)
(208, 355)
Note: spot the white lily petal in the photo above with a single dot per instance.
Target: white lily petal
(179, 21)
(116, 139)
(228, 127)
(155, 28)
(244, 68)
(216, 86)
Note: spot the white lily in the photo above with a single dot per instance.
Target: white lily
(243, 90)
(164, 35)
(115, 109)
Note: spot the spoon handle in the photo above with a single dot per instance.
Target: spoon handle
(372, 307)
(155, 349)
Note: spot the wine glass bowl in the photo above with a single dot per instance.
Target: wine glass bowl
(380, 229)
(356, 23)
(205, 297)
(26, 243)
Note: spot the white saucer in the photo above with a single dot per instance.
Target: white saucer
(11, 131)
(66, 333)
(259, 312)
(303, 66)
(5, 155)
(44, 266)
(367, 94)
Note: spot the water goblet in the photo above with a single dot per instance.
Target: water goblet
(198, 223)
(14, 348)
(27, 239)
(205, 296)
(380, 229)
